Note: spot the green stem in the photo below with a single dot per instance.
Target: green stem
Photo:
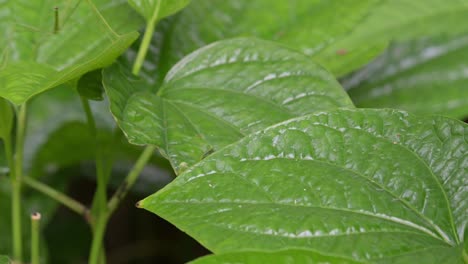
(130, 179)
(98, 237)
(99, 210)
(16, 177)
(150, 26)
(89, 116)
(35, 219)
(62, 198)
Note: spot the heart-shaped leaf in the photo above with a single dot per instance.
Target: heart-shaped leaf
(42, 48)
(372, 185)
(157, 9)
(6, 118)
(279, 257)
(423, 76)
(341, 35)
(217, 95)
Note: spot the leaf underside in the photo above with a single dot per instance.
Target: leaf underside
(373, 185)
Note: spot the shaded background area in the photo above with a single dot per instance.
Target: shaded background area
(133, 235)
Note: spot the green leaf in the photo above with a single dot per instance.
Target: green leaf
(4, 260)
(340, 35)
(152, 9)
(279, 257)
(90, 86)
(217, 95)
(398, 20)
(6, 118)
(373, 185)
(427, 76)
(305, 25)
(36, 57)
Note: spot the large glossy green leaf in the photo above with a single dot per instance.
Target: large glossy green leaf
(279, 257)
(373, 185)
(423, 76)
(217, 95)
(341, 35)
(157, 9)
(6, 118)
(36, 57)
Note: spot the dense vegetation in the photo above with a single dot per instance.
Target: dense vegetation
(290, 131)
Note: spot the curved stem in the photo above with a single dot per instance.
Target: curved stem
(62, 198)
(150, 26)
(130, 179)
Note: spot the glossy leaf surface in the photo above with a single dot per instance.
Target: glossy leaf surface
(279, 257)
(428, 76)
(157, 8)
(217, 95)
(37, 56)
(341, 35)
(372, 185)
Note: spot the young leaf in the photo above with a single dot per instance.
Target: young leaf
(372, 185)
(278, 257)
(217, 95)
(424, 76)
(159, 8)
(6, 118)
(38, 56)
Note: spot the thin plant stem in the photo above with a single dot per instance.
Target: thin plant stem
(16, 178)
(99, 210)
(62, 198)
(130, 179)
(105, 209)
(35, 230)
(150, 26)
(96, 253)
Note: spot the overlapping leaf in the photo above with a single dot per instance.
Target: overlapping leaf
(36, 55)
(157, 9)
(6, 118)
(341, 35)
(279, 257)
(373, 185)
(217, 95)
(424, 76)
